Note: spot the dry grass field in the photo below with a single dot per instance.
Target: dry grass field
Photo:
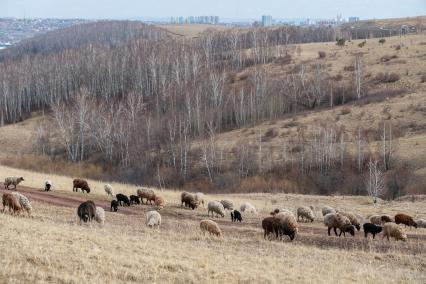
(190, 30)
(52, 247)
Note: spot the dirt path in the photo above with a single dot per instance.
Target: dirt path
(308, 234)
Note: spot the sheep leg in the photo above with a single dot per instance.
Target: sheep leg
(329, 229)
(335, 232)
(374, 235)
(365, 234)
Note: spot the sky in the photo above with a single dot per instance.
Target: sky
(234, 9)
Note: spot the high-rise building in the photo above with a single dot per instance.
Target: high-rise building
(266, 20)
(353, 19)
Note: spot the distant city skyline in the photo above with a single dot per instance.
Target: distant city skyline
(234, 9)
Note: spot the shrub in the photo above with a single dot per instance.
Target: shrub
(269, 134)
(387, 77)
(387, 58)
(362, 44)
(345, 111)
(398, 47)
(341, 42)
(382, 41)
(322, 54)
(349, 68)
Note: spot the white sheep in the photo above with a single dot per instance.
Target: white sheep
(227, 204)
(24, 202)
(100, 215)
(215, 207)
(421, 223)
(352, 217)
(48, 185)
(376, 219)
(393, 230)
(199, 198)
(336, 220)
(327, 210)
(153, 218)
(248, 208)
(12, 181)
(108, 189)
(306, 213)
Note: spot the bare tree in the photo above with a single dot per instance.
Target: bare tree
(375, 183)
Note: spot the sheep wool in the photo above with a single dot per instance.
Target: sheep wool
(100, 215)
(153, 219)
(199, 197)
(327, 210)
(395, 231)
(376, 219)
(306, 213)
(215, 207)
(227, 204)
(108, 189)
(248, 208)
(421, 223)
(24, 202)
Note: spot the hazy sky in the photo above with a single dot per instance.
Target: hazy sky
(223, 8)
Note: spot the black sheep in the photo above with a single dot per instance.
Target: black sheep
(86, 211)
(236, 216)
(372, 229)
(134, 199)
(347, 229)
(121, 198)
(114, 205)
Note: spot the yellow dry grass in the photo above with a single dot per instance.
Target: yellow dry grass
(191, 30)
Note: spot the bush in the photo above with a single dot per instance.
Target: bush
(349, 68)
(387, 77)
(345, 111)
(321, 54)
(341, 42)
(269, 134)
(387, 58)
(382, 41)
(362, 44)
(398, 47)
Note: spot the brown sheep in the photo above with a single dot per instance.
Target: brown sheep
(80, 183)
(146, 193)
(270, 225)
(354, 220)
(182, 198)
(211, 227)
(159, 202)
(190, 201)
(386, 219)
(393, 230)
(405, 219)
(12, 202)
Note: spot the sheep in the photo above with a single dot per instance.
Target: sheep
(211, 227)
(190, 201)
(82, 184)
(376, 219)
(153, 218)
(114, 205)
(12, 203)
(86, 211)
(109, 190)
(278, 211)
(327, 209)
(146, 193)
(134, 199)
(236, 216)
(405, 219)
(386, 219)
(215, 207)
(48, 185)
(287, 225)
(159, 202)
(199, 197)
(182, 198)
(24, 202)
(306, 214)
(122, 199)
(421, 223)
(227, 204)
(247, 207)
(270, 225)
(395, 231)
(354, 220)
(372, 229)
(12, 181)
(100, 215)
(336, 220)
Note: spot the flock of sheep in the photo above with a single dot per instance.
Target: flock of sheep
(281, 222)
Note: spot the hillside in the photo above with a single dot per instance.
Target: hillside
(412, 21)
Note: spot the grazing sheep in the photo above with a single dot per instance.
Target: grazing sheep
(227, 204)
(146, 193)
(215, 207)
(182, 198)
(114, 205)
(122, 199)
(153, 218)
(134, 199)
(336, 220)
(395, 231)
(287, 225)
(199, 197)
(247, 207)
(86, 211)
(108, 189)
(372, 229)
(12, 203)
(100, 215)
(82, 184)
(283, 210)
(211, 227)
(236, 216)
(270, 225)
(12, 181)
(386, 219)
(405, 219)
(421, 223)
(360, 218)
(159, 202)
(376, 219)
(354, 220)
(306, 214)
(189, 201)
(327, 210)
(24, 202)
(48, 185)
